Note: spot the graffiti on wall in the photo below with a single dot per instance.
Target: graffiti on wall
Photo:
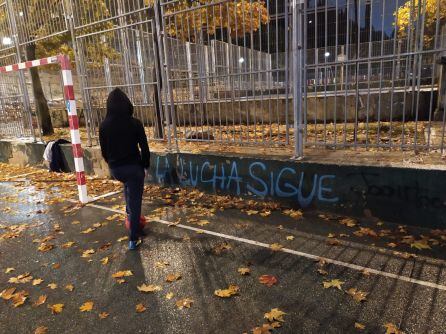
(260, 180)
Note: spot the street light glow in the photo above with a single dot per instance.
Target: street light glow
(241, 60)
(327, 54)
(7, 41)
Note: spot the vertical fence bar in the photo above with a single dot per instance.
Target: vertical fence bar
(297, 11)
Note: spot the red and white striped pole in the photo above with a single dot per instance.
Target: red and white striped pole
(67, 77)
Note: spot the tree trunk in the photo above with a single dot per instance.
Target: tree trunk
(43, 112)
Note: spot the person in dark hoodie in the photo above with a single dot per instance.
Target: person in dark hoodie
(125, 149)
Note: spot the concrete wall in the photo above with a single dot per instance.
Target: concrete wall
(401, 195)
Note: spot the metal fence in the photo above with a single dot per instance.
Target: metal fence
(330, 73)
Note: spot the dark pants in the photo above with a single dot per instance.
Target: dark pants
(133, 178)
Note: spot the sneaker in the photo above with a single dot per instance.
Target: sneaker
(133, 245)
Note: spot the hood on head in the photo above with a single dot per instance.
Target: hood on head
(118, 104)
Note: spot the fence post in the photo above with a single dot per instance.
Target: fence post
(297, 51)
(189, 72)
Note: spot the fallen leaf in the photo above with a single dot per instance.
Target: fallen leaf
(86, 307)
(41, 330)
(265, 329)
(103, 315)
(104, 260)
(149, 288)
(120, 280)
(161, 264)
(252, 212)
(7, 293)
(392, 244)
(173, 277)
(221, 247)
(334, 283)
(68, 244)
(75, 222)
(88, 253)
(56, 308)
(297, 214)
(275, 315)
(359, 326)
(184, 303)
(331, 235)
(203, 222)
(41, 300)
(56, 266)
(226, 293)
(23, 278)
(140, 308)
(420, 244)
(19, 298)
(124, 273)
(268, 280)
(169, 295)
(69, 287)
(276, 247)
(392, 329)
(52, 286)
(123, 239)
(88, 230)
(244, 271)
(37, 281)
(358, 295)
(349, 222)
(44, 247)
(290, 237)
(9, 270)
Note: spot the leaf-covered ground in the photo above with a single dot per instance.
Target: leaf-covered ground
(65, 268)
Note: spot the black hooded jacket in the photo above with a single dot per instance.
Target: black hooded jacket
(120, 134)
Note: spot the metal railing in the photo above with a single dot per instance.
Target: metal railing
(340, 74)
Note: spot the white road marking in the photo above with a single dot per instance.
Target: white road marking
(22, 175)
(291, 251)
(94, 199)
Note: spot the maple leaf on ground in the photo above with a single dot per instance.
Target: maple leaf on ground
(86, 307)
(297, 214)
(358, 295)
(41, 330)
(104, 261)
(265, 329)
(124, 273)
(275, 315)
(268, 280)
(334, 283)
(75, 222)
(219, 248)
(88, 253)
(56, 308)
(43, 247)
(203, 222)
(88, 230)
(226, 293)
(161, 264)
(41, 300)
(52, 286)
(68, 244)
(359, 326)
(24, 278)
(7, 293)
(173, 277)
(392, 329)
(169, 295)
(140, 308)
(37, 281)
(184, 303)
(9, 270)
(251, 212)
(420, 244)
(19, 298)
(69, 287)
(349, 222)
(103, 315)
(322, 272)
(244, 271)
(56, 266)
(290, 237)
(123, 239)
(149, 288)
(276, 247)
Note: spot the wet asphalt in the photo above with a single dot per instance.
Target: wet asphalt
(299, 291)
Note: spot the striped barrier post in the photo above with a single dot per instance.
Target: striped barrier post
(64, 62)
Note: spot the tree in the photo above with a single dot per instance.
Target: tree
(38, 19)
(191, 17)
(413, 10)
